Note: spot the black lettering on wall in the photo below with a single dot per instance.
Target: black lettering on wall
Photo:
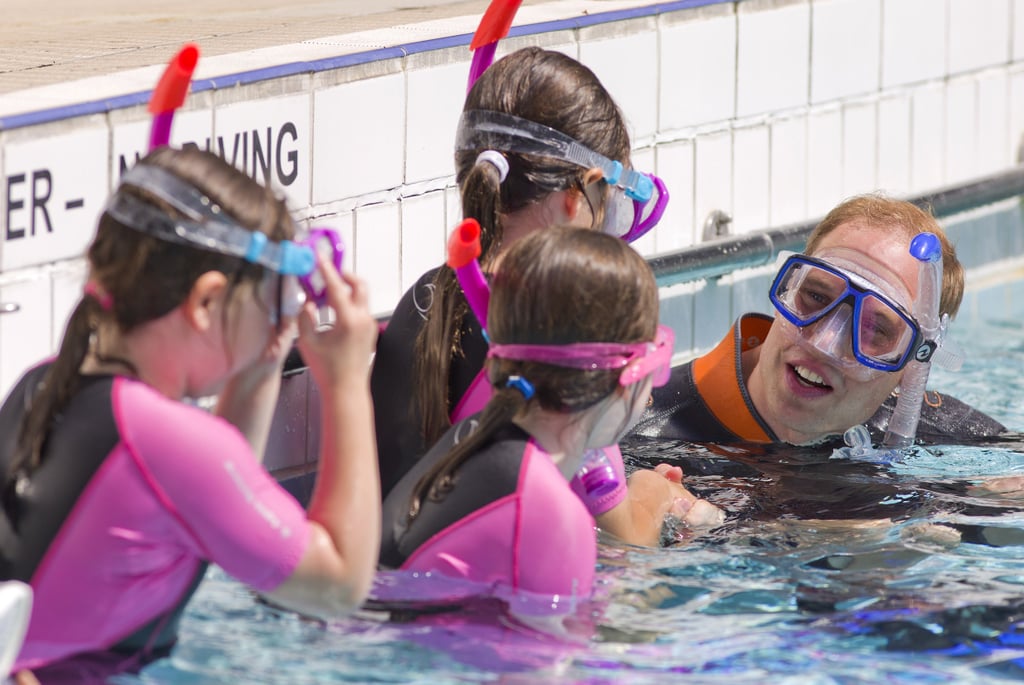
(287, 178)
(39, 200)
(12, 205)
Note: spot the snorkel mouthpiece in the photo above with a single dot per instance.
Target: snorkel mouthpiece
(463, 251)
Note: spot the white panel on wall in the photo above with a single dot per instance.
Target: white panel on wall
(55, 189)
(824, 161)
(424, 235)
(994, 148)
(435, 99)
(269, 140)
(25, 334)
(928, 137)
(1017, 53)
(635, 91)
(130, 139)
(644, 160)
(961, 130)
(67, 283)
(359, 148)
(913, 41)
(751, 166)
(698, 72)
(1016, 113)
(378, 253)
(713, 177)
(788, 182)
(894, 145)
(980, 34)
(846, 48)
(452, 207)
(675, 167)
(774, 48)
(860, 137)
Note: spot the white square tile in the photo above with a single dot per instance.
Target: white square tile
(270, 140)
(1017, 51)
(928, 136)
(56, 189)
(860, 142)
(845, 48)
(894, 145)
(359, 148)
(435, 99)
(26, 334)
(634, 89)
(824, 161)
(774, 49)
(980, 34)
(378, 253)
(750, 187)
(913, 41)
(698, 72)
(130, 139)
(788, 183)
(1016, 111)
(452, 206)
(424, 235)
(713, 173)
(961, 130)
(675, 167)
(66, 282)
(995, 151)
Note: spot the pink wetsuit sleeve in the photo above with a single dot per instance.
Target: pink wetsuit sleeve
(599, 505)
(233, 512)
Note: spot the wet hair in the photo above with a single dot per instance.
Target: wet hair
(139, 278)
(545, 87)
(605, 293)
(879, 211)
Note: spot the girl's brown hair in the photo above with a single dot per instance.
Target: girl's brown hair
(545, 87)
(555, 287)
(145, 278)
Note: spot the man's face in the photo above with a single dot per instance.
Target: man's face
(804, 393)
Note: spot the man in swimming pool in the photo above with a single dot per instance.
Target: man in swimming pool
(799, 381)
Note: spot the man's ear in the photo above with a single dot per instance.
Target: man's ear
(206, 300)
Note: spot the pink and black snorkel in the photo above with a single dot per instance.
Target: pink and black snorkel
(170, 93)
(463, 251)
(494, 26)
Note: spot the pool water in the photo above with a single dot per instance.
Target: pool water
(826, 571)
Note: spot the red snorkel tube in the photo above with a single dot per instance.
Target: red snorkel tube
(170, 93)
(494, 26)
(463, 250)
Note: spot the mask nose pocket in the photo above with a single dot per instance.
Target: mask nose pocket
(831, 334)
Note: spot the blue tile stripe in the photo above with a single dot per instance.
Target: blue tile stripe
(103, 106)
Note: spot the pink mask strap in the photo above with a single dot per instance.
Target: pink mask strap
(93, 290)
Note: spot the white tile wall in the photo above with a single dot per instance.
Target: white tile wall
(980, 34)
(378, 244)
(994, 147)
(66, 284)
(751, 168)
(452, 205)
(360, 149)
(635, 90)
(435, 99)
(913, 41)
(824, 161)
(675, 167)
(1017, 51)
(845, 48)
(928, 135)
(25, 335)
(1016, 114)
(894, 145)
(860, 133)
(270, 140)
(961, 130)
(424, 235)
(130, 139)
(713, 171)
(774, 50)
(788, 182)
(698, 72)
(56, 187)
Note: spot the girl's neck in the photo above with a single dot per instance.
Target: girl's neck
(562, 436)
(142, 354)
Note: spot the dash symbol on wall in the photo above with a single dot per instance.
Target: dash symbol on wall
(74, 204)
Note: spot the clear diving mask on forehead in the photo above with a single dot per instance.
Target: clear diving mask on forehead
(201, 223)
(635, 201)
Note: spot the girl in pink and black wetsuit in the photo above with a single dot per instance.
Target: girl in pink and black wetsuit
(491, 503)
(116, 494)
(515, 177)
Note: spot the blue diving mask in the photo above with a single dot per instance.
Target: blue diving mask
(635, 201)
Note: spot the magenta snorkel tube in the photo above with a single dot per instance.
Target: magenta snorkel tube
(170, 93)
(494, 26)
(463, 251)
